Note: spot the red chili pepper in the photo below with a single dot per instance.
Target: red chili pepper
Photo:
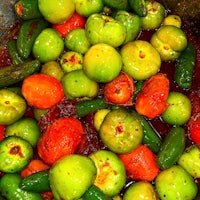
(152, 100)
(75, 21)
(120, 90)
(140, 164)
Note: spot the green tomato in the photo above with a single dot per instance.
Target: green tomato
(140, 190)
(175, 183)
(102, 63)
(169, 41)
(179, 110)
(52, 68)
(75, 85)
(38, 113)
(25, 128)
(111, 173)
(88, 7)
(48, 45)
(15, 154)
(71, 61)
(100, 28)
(71, 176)
(190, 160)
(12, 107)
(56, 11)
(120, 131)
(155, 15)
(76, 40)
(140, 59)
(131, 22)
(173, 20)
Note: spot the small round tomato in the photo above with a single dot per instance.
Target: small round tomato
(42, 91)
(75, 21)
(61, 138)
(120, 90)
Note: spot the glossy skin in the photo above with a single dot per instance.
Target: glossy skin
(111, 175)
(140, 190)
(169, 41)
(152, 100)
(179, 109)
(102, 63)
(75, 85)
(42, 91)
(72, 173)
(120, 131)
(25, 128)
(49, 9)
(12, 107)
(107, 25)
(176, 183)
(48, 45)
(17, 153)
(143, 61)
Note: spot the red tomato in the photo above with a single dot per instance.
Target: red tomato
(194, 130)
(152, 100)
(42, 91)
(140, 164)
(61, 138)
(2, 130)
(75, 21)
(120, 90)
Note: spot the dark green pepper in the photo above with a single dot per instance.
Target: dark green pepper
(172, 148)
(94, 193)
(12, 74)
(36, 182)
(185, 67)
(27, 9)
(9, 187)
(28, 32)
(151, 138)
(13, 52)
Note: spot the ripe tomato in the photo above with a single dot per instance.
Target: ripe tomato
(140, 164)
(61, 138)
(152, 100)
(42, 91)
(2, 131)
(75, 21)
(120, 90)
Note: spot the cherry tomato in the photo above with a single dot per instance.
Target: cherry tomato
(42, 91)
(140, 164)
(75, 21)
(61, 138)
(152, 100)
(120, 90)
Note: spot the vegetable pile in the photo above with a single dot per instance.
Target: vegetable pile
(95, 103)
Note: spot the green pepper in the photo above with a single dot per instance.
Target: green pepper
(27, 9)
(139, 7)
(172, 148)
(28, 32)
(185, 67)
(9, 187)
(36, 182)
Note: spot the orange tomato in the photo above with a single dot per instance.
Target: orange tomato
(61, 138)
(152, 100)
(34, 166)
(42, 91)
(140, 164)
(120, 90)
